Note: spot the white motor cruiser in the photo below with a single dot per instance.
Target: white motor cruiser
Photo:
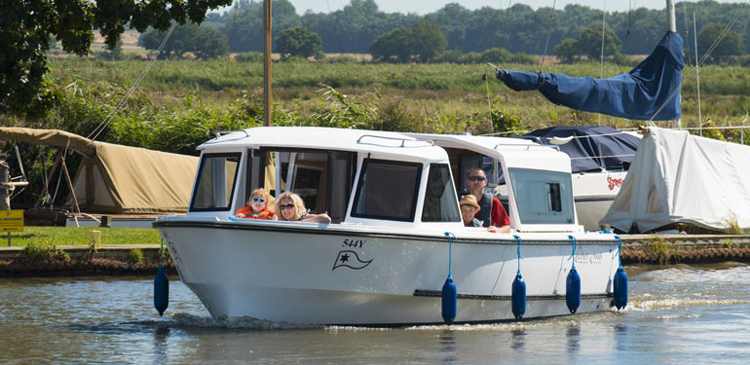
(386, 255)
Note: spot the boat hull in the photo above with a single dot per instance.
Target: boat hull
(311, 274)
(594, 193)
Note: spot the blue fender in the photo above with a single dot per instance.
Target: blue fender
(518, 297)
(161, 291)
(450, 294)
(573, 290)
(621, 288)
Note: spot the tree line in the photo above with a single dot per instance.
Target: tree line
(451, 34)
(516, 29)
(456, 34)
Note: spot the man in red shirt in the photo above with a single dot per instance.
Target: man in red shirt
(492, 212)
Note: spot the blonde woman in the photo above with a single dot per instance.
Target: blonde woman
(290, 207)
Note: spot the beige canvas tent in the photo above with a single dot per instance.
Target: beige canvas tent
(118, 179)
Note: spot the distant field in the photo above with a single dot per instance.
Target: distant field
(451, 89)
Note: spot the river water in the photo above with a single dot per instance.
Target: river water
(676, 315)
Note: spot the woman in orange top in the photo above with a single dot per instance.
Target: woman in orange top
(256, 206)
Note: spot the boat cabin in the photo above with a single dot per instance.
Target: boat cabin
(378, 178)
(538, 196)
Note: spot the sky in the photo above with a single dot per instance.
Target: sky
(428, 6)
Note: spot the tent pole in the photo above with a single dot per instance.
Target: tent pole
(72, 192)
(49, 178)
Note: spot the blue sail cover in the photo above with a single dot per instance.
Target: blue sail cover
(591, 145)
(635, 95)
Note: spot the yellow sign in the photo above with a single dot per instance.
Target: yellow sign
(11, 220)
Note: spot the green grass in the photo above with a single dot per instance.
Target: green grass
(80, 236)
(452, 90)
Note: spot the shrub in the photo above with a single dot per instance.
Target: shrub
(43, 252)
(503, 121)
(661, 248)
(135, 256)
(343, 59)
(249, 57)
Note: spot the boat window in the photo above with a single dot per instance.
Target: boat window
(387, 190)
(216, 180)
(323, 179)
(463, 161)
(542, 197)
(440, 203)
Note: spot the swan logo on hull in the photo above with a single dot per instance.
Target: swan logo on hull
(350, 259)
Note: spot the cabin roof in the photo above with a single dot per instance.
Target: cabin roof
(489, 146)
(517, 152)
(376, 142)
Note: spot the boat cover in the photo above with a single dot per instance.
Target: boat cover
(637, 94)
(120, 179)
(676, 177)
(592, 148)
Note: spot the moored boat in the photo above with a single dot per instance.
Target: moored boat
(385, 255)
(600, 158)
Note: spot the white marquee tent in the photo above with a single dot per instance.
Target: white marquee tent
(676, 177)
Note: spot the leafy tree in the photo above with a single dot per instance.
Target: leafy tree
(429, 41)
(393, 46)
(113, 54)
(244, 27)
(299, 41)
(730, 45)
(202, 42)
(746, 39)
(423, 43)
(28, 24)
(590, 42)
(567, 50)
(452, 19)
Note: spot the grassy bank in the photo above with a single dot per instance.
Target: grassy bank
(80, 236)
(180, 102)
(449, 89)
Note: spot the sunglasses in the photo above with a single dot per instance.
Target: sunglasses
(476, 178)
(257, 199)
(286, 206)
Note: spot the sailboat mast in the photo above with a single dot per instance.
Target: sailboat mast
(672, 25)
(267, 62)
(671, 19)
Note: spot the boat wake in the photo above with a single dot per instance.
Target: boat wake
(717, 274)
(645, 305)
(248, 323)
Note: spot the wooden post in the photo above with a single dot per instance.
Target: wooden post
(267, 27)
(5, 187)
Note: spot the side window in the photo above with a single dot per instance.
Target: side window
(440, 203)
(387, 190)
(216, 181)
(542, 197)
(323, 179)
